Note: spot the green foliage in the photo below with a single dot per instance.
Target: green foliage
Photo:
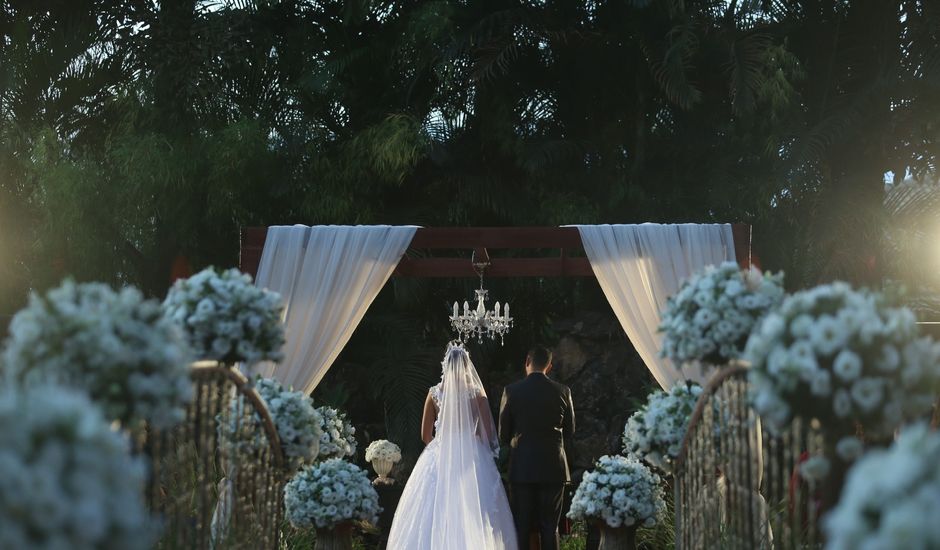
(165, 127)
(663, 534)
(577, 540)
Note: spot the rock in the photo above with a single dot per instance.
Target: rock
(607, 378)
(568, 358)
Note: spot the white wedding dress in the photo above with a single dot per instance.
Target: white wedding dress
(454, 499)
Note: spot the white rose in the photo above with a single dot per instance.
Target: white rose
(815, 469)
(842, 403)
(867, 393)
(849, 448)
(847, 366)
(889, 359)
(821, 385)
(828, 336)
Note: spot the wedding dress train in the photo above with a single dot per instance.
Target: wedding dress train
(454, 499)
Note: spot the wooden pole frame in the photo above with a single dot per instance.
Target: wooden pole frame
(568, 259)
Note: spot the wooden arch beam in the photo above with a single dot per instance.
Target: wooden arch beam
(419, 261)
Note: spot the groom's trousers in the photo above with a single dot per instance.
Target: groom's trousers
(539, 506)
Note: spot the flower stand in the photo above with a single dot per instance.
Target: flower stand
(619, 538)
(337, 538)
(383, 468)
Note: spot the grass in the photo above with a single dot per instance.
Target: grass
(577, 540)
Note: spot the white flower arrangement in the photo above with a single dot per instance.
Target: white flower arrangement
(654, 433)
(891, 497)
(69, 480)
(324, 495)
(620, 491)
(116, 346)
(844, 357)
(382, 449)
(337, 434)
(226, 318)
(296, 420)
(713, 313)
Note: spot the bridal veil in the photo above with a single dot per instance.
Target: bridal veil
(455, 497)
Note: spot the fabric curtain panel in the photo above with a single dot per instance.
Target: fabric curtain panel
(640, 266)
(328, 277)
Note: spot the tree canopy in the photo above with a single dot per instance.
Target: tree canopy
(140, 135)
(134, 132)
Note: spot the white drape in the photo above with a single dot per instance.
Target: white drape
(640, 266)
(328, 277)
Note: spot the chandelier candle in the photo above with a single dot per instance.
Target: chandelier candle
(480, 321)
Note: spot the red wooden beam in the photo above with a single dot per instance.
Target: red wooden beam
(252, 243)
(479, 238)
(496, 237)
(741, 232)
(499, 267)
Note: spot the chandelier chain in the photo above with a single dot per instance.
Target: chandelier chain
(480, 321)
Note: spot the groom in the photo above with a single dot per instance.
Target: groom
(536, 418)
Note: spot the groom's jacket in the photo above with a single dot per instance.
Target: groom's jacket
(536, 418)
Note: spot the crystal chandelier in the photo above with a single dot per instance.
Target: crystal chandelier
(480, 321)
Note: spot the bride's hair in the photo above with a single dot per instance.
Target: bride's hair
(453, 352)
(455, 345)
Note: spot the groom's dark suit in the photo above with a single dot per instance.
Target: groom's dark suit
(536, 418)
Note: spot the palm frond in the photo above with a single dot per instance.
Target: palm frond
(671, 62)
(391, 147)
(747, 70)
(494, 57)
(543, 155)
(840, 122)
(911, 200)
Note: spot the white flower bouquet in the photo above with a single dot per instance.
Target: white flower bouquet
(620, 491)
(324, 495)
(845, 357)
(891, 497)
(69, 480)
(337, 434)
(296, 420)
(226, 318)
(654, 433)
(116, 346)
(711, 316)
(382, 449)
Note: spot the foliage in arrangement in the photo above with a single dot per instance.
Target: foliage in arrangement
(115, 345)
(846, 357)
(713, 313)
(324, 495)
(891, 497)
(663, 534)
(226, 318)
(620, 491)
(296, 420)
(69, 480)
(382, 449)
(337, 434)
(654, 432)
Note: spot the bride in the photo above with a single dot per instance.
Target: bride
(454, 498)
